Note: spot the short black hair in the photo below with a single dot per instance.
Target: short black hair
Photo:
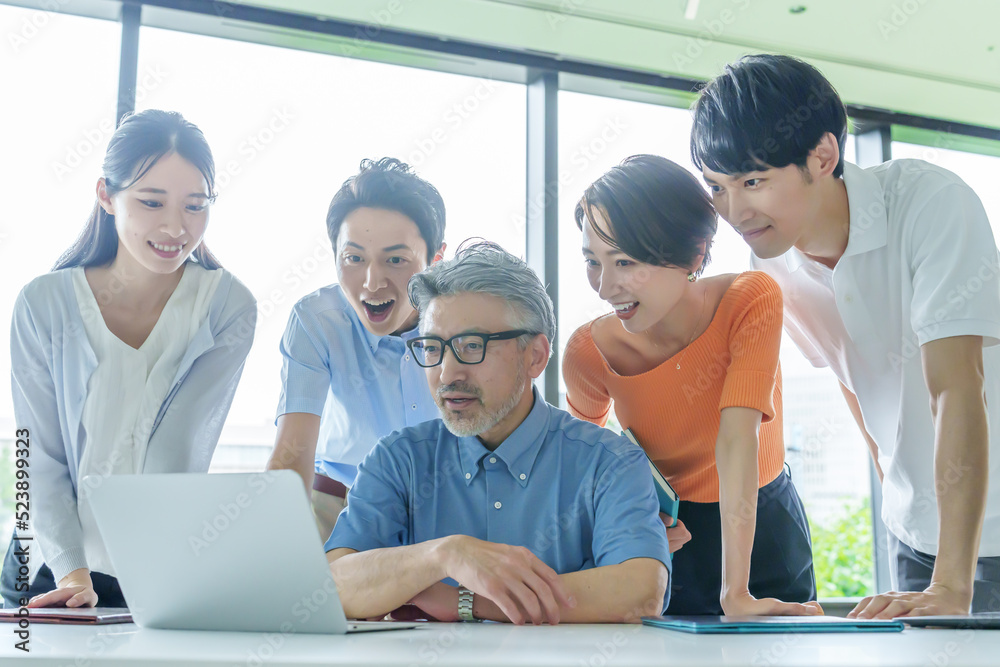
(765, 111)
(390, 184)
(657, 211)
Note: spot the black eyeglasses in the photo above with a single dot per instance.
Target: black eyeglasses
(469, 348)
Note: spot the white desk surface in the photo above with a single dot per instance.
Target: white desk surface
(498, 645)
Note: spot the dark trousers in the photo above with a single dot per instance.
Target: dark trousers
(109, 594)
(911, 570)
(781, 564)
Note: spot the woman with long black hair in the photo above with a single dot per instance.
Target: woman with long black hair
(124, 358)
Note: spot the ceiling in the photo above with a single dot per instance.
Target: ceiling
(926, 57)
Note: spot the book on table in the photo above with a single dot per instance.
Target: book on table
(68, 615)
(717, 625)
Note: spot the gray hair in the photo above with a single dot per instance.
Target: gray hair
(486, 268)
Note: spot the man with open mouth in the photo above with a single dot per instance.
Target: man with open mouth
(347, 378)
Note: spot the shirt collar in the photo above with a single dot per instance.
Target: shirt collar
(794, 259)
(518, 451)
(869, 222)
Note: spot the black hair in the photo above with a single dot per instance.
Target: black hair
(657, 211)
(765, 111)
(138, 144)
(390, 184)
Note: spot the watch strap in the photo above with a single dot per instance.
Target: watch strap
(465, 598)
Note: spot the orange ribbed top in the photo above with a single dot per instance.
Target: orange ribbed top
(675, 413)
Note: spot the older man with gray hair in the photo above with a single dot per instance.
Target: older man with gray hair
(506, 508)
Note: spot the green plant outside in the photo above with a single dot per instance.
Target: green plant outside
(842, 552)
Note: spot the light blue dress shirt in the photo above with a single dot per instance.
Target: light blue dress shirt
(575, 494)
(361, 385)
(51, 364)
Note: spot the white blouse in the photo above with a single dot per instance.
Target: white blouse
(125, 392)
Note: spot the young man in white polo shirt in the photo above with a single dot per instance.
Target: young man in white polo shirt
(890, 277)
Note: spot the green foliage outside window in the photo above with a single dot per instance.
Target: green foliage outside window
(842, 552)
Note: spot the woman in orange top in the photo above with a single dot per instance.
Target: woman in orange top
(691, 367)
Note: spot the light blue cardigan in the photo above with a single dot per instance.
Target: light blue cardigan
(51, 363)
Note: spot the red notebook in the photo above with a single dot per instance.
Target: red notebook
(69, 616)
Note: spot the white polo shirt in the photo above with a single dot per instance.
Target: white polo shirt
(921, 264)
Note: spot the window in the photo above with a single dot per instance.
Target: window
(286, 128)
(58, 115)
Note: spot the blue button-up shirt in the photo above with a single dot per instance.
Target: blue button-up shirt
(575, 494)
(361, 385)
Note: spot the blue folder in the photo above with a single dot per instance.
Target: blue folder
(670, 502)
(768, 624)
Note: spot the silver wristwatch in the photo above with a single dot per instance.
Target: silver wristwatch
(465, 604)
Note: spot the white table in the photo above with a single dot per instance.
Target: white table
(497, 645)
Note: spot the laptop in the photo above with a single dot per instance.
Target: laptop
(230, 552)
(769, 624)
(985, 620)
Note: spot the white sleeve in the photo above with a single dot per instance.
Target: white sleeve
(955, 268)
(54, 519)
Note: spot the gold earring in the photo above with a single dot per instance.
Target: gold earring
(691, 277)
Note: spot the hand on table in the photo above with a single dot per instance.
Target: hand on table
(75, 590)
(745, 604)
(936, 599)
(517, 581)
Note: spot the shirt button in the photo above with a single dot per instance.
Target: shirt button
(414, 406)
(493, 459)
(497, 504)
(406, 358)
(848, 298)
(468, 475)
(523, 476)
